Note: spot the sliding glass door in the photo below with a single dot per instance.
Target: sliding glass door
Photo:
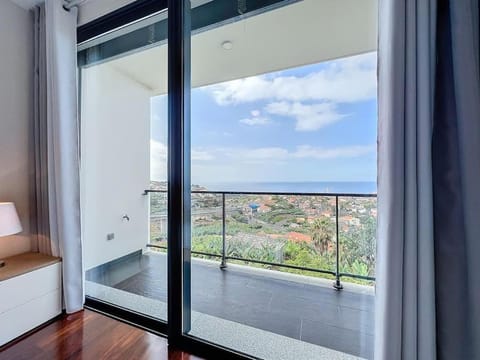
(228, 173)
(283, 134)
(124, 98)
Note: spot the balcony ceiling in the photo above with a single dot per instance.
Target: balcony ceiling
(306, 32)
(27, 4)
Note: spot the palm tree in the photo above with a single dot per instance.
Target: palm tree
(322, 234)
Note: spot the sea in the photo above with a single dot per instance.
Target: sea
(328, 187)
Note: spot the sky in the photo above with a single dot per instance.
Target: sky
(312, 123)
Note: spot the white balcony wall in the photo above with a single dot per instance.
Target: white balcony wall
(115, 169)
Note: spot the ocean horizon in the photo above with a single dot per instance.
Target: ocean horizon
(341, 187)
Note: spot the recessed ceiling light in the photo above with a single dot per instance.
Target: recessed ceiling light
(227, 45)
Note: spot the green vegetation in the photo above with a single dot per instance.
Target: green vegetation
(322, 230)
(361, 248)
(293, 230)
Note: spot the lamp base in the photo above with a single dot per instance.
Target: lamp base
(2, 263)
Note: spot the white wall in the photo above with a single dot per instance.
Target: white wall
(16, 93)
(93, 9)
(115, 164)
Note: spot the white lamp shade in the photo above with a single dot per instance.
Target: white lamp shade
(9, 221)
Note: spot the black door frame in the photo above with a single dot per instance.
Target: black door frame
(179, 238)
(179, 234)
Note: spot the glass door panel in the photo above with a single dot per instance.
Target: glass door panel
(124, 166)
(283, 134)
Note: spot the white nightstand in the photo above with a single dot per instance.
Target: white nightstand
(30, 293)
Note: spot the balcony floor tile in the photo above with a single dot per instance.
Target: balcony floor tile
(317, 314)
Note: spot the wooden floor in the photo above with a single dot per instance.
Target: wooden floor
(88, 335)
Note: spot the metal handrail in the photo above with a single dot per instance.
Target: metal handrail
(224, 257)
(146, 192)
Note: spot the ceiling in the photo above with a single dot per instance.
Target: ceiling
(27, 4)
(303, 33)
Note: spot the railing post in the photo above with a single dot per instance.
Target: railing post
(337, 285)
(223, 264)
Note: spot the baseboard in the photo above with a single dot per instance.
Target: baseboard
(31, 332)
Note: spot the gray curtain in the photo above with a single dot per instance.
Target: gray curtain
(40, 218)
(57, 145)
(456, 170)
(428, 274)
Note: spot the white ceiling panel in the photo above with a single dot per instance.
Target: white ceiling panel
(303, 33)
(27, 4)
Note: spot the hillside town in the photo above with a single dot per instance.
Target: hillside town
(283, 229)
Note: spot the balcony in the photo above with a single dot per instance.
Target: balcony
(297, 265)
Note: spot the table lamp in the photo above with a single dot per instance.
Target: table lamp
(9, 222)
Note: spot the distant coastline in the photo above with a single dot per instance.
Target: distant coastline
(346, 187)
(340, 187)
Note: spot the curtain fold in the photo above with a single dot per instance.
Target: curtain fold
(428, 299)
(405, 321)
(57, 145)
(40, 217)
(457, 175)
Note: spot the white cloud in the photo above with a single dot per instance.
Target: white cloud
(255, 119)
(308, 117)
(266, 154)
(241, 91)
(158, 159)
(199, 155)
(306, 151)
(346, 80)
(218, 164)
